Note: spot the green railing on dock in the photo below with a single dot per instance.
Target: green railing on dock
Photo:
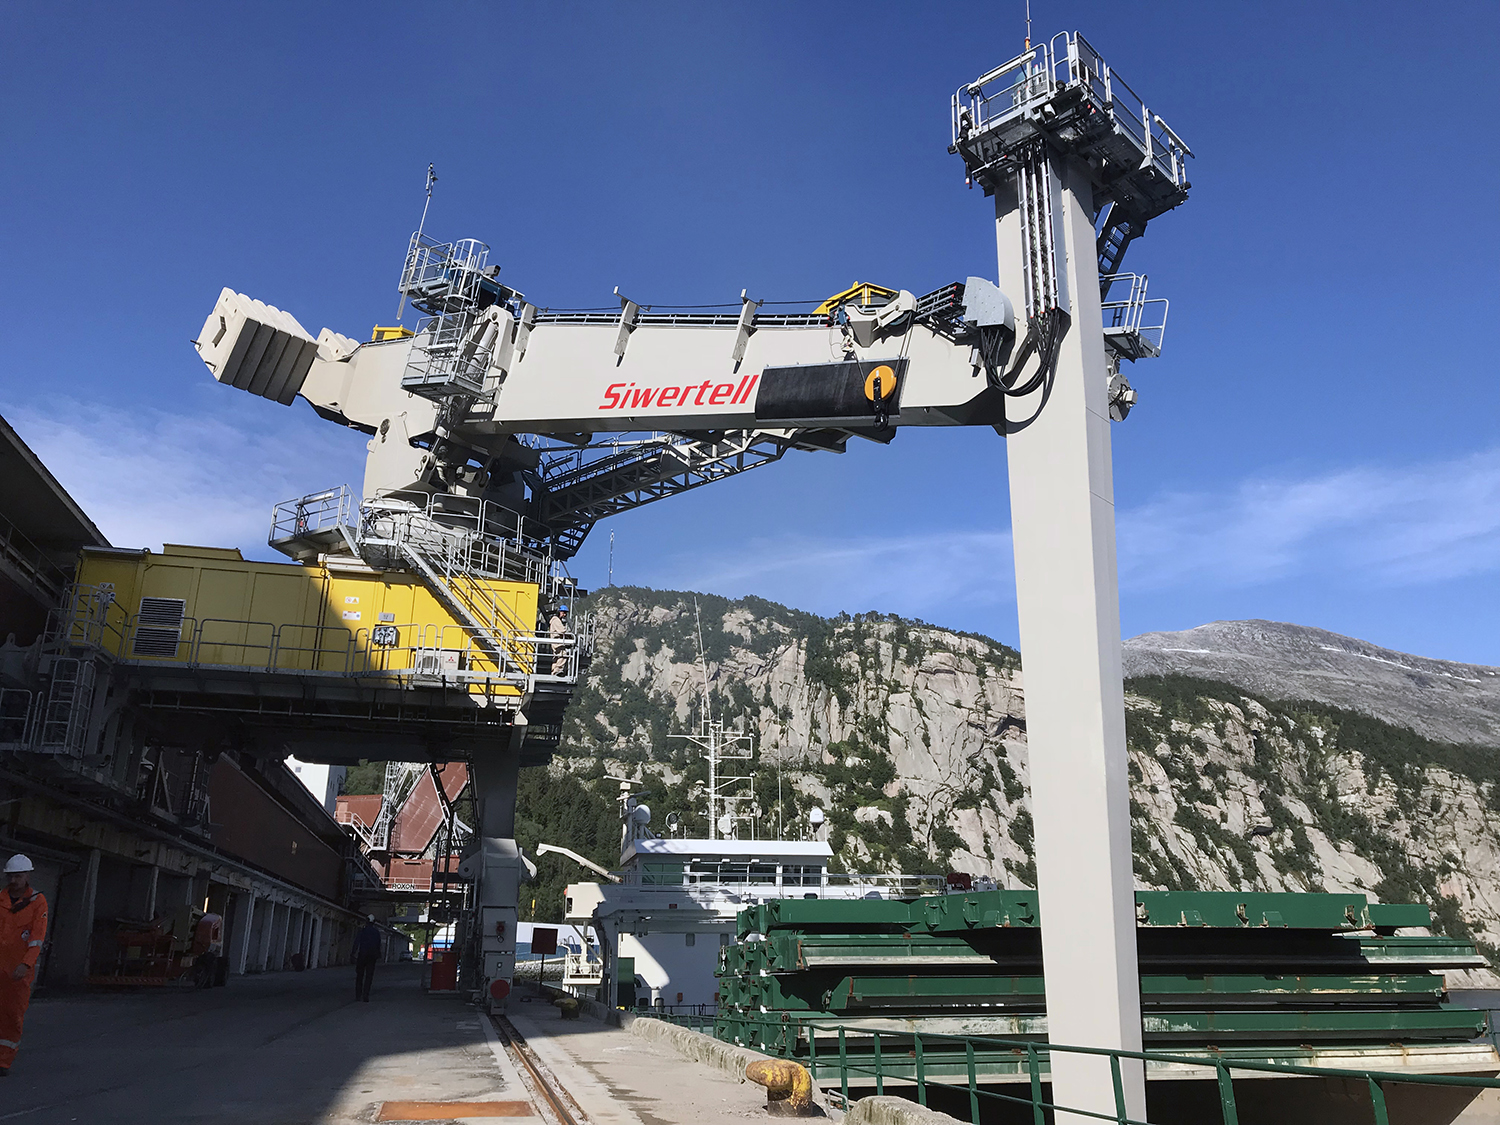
(906, 1059)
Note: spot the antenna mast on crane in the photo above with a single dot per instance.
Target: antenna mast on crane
(431, 179)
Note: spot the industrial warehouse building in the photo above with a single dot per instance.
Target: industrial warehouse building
(131, 816)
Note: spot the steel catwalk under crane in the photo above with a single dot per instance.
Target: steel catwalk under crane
(544, 422)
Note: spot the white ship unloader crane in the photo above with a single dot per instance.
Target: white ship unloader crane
(1077, 165)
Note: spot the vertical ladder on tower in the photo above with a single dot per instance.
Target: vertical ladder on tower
(70, 697)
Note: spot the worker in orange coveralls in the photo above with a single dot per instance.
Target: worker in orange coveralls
(23, 928)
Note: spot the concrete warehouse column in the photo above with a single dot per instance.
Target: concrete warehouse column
(497, 865)
(239, 942)
(1067, 598)
(75, 922)
(315, 944)
(304, 938)
(279, 927)
(143, 881)
(265, 939)
(293, 935)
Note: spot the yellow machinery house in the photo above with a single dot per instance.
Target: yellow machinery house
(209, 607)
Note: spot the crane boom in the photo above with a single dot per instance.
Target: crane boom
(464, 405)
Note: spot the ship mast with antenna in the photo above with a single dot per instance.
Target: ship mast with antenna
(721, 747)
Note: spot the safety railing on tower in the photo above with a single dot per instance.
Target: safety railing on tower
(1135, 327)
(1026, 86)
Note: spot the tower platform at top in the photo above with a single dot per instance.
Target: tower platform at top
(1061, 93)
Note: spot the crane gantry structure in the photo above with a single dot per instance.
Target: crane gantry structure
(500, 432)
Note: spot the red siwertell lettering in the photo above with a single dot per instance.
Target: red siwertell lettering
(627, 396)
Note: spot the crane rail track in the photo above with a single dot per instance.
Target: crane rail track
(559, 1101)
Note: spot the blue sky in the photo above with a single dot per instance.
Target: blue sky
(1318, 444)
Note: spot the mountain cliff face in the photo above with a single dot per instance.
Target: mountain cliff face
(913, 739)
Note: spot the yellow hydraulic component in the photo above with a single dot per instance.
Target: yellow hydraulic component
(208, 605)
(391, 332)
(861, 293)
(880, 383)
(788, 1086)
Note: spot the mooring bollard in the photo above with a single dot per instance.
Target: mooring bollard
(788, 1086)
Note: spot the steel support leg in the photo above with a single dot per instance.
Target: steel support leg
(496, 865)
(1067, 596)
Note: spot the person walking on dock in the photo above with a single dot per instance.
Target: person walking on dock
(23, 928)
(367, 945)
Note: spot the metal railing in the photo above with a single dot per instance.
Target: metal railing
(833, 884)
(911, 1064)
(443, 275)
(917, 1062)
(581, 967)
(1134, 325)
(1027, 81)
(355, 823)
(31, 559)
(476, 538)
(333, 509)
(416, 653)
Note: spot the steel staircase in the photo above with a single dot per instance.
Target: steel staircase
(579, 492)
(491, 626)
(1118, 233)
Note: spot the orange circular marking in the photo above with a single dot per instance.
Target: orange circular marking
(880, 383)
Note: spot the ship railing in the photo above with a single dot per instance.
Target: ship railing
(583, 967)
(829, 884)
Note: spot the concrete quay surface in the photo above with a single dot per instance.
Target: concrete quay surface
(279, 1049)
(297, 1049)
(622, 1079)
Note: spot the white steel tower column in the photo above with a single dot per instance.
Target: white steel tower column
(1067, 596)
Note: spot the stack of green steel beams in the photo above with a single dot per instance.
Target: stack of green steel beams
(1218, 970)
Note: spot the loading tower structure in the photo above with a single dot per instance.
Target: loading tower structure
(1077, 165)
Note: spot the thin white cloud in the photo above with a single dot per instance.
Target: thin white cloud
(158, 476)
(1376, 527)
(914, 576)
(154, 476)
(1367, 526)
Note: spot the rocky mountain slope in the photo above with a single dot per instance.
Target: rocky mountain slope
(913, 738)
(1439, 698)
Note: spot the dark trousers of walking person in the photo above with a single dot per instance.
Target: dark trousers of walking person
(364, 976)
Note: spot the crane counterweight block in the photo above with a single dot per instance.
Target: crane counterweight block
(256, 347)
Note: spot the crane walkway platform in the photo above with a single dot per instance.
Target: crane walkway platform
(298, 1049)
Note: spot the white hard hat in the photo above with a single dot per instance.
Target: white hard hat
(17, 863)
